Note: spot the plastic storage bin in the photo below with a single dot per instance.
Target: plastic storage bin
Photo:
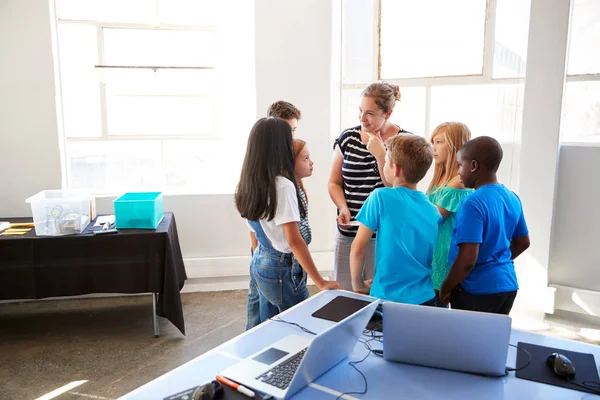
(139, 210)
(60, 212)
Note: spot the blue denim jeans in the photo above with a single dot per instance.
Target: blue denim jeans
(276, 281)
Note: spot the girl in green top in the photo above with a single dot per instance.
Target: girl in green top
(446, 191)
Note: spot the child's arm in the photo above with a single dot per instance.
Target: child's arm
(455, 183)
(443, 211)
(300, 250)
(357, 257)
(518, 245)
(520, 240)
(461, 268)
(253, 241)
(336, 190)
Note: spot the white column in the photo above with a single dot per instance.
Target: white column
(297, 45)
(546, 69)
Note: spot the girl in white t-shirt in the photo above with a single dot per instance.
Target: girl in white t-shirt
(267, 196)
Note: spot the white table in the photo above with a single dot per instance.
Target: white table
(385, 379)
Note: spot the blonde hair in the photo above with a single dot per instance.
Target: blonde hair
(414, 154)
(455, 134)
(300, 144)
(385, 95)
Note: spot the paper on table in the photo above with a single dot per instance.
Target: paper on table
(103, 219)
(4, 225)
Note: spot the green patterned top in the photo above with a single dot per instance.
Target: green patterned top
(448, 199)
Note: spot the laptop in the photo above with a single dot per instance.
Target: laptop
(287, 366)
(458, 340)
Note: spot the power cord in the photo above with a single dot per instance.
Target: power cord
(510, 369)
(294, 324)
(353, 365)
(590, 386)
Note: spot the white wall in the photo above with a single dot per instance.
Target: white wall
(29, 155)
(575, 256)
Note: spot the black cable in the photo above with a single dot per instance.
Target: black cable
(590, 386)
(510, 369)
(353, 365)
(293, 323)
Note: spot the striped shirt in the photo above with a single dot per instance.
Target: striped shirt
(303, 224)
(360, 173)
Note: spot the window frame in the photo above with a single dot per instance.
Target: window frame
(485, 78)
(105, 136)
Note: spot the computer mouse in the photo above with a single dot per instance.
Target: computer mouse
(561, 365)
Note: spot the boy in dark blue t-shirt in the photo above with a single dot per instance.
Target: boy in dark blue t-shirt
(489, 233)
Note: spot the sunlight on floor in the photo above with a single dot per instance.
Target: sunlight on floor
(61, 390)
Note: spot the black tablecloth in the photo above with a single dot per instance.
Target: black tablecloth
(130, 261)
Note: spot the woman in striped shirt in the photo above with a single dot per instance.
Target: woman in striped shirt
(359, 157)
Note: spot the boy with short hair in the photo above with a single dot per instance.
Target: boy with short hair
(407, 226)
(286, 111)
(489, 233)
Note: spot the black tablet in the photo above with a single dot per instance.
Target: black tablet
(340, 308)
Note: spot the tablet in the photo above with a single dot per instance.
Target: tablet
(340, 308)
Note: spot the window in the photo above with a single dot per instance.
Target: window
(581, 104)
(431, 38)
(148, 89)
(453, 61)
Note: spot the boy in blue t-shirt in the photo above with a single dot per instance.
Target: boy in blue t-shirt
(489, 233)
(407, 228)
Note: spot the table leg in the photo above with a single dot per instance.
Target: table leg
(154, 316)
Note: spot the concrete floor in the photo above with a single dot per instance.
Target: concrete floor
(45, 345)
(107, 341)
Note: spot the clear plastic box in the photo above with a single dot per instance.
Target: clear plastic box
(60, 212)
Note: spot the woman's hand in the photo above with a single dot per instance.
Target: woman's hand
(375, 145)
(343, 219)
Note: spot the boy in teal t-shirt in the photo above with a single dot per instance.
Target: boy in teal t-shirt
(407, 228)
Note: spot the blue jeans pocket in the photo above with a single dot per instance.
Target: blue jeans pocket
(269, 274)
(298, 281)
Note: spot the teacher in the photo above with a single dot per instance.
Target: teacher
(357, 170)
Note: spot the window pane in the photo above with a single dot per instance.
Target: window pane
(581, 112)
(409, 113)
(431, 38)
(135, 11)
(488, 110)
(190, 165)
(154, 47)
(512, 35)
(80, 87)
(159, 115)
(115, 166)
(161, 82)
(187, 12)
(171, 166)
(584, 57)
(358, 41)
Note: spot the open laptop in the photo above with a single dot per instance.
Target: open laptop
(287, 366)
(465, 341)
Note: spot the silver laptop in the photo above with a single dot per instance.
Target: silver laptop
(458, 340)
(287, 366)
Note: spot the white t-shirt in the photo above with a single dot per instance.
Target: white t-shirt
(287, 211)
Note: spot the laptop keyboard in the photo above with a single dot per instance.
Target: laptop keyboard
(282, 374)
